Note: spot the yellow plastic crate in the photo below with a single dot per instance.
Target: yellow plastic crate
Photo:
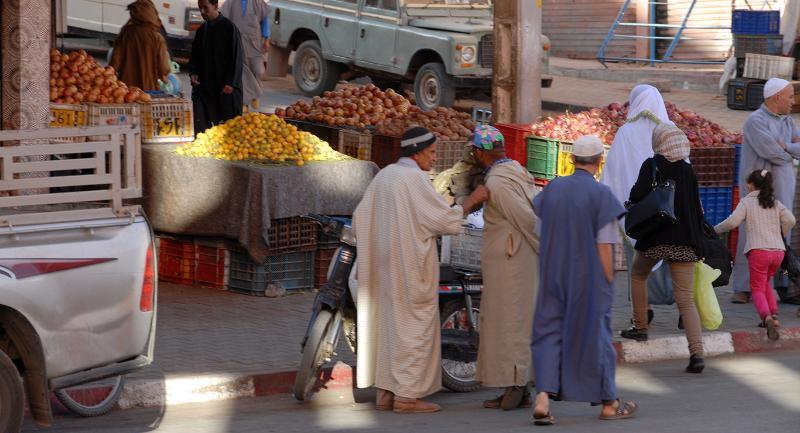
(565, 165)
(167, 120)
(68, 115)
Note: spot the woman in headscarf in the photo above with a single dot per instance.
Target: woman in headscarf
(632, 145)
(677, 245)
(140, 52)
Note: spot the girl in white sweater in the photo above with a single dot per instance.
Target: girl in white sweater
(767, 222)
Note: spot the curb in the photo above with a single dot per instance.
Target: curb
(206, 388)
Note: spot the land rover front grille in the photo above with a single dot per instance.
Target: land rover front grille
(486, 51)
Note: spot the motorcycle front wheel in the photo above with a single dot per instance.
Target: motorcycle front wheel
(459, 376)
(315, 354)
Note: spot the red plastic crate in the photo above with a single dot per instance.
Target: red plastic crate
(213, 264)
(177, 261)
(541, 182)
(736, 198)
(714, 166)
(515, 136)
(733, 239)
(385, 150)
(321, 262)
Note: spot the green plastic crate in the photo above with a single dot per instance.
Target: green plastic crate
(542, 157)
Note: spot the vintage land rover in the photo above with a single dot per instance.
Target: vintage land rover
(443, 47)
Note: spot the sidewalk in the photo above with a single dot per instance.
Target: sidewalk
(216, 345)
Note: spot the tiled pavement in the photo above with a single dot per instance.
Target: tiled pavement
(210, 331)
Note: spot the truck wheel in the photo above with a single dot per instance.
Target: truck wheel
(314, 75)
(12, 403)
(433, 87)
(95, 399)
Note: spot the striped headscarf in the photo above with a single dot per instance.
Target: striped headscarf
(670, 142)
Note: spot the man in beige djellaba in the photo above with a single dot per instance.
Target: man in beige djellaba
(252, 19)
(509, 261)
(396, 225)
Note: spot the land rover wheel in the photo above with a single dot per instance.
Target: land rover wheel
(433, 87)
(12, 406)
(314, 75)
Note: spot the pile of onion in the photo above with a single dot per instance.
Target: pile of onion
(353, 106)
(447, 124)
(604, 123)
(76, 78)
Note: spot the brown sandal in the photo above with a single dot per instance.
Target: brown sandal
(772, 327)
(624, 411)
(543, 419)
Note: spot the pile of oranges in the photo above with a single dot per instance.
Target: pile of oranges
(258, 136)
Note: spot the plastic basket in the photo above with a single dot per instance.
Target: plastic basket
(749, 22)
(714, 166)
(292, 271)
(448, 154)
(541, 183)
(716, 203)
(755, 95)
(291, 234)
(542, 157)
(68, 115)
(213, 264)
(322, 261)
(113, 115)
(385, 150)
(167, 120)
(515, 136)
(177, 260)
(565, 165)
(356, 144)
(764, 67)
(465, 249)
(737, 92)
(757, 44)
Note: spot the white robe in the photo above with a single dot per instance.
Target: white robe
(399, 334)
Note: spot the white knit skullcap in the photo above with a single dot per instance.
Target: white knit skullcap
(773, 86)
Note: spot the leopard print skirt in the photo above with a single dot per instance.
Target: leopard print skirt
(671, 253)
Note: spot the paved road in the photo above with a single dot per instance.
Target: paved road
(742, 394)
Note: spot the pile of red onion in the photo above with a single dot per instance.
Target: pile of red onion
(604, 123)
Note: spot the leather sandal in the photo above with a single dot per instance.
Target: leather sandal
(404, 405)
(624, 410)
(772, 328)
(384, 400)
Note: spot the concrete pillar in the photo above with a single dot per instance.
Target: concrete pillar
(516, 82)
(25, 36)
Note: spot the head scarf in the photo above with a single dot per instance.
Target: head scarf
(414, 140)
(670, 142)
(144, 13)
(487, 137)
(633, 143)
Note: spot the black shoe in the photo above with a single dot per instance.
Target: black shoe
(650, 315)
(696, 365)
(680, 322)
(634, 334)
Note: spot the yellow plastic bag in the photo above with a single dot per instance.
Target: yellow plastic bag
(704, 297)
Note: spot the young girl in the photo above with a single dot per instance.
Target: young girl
(767, 221)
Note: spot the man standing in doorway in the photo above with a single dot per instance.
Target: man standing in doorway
(574, 357)
(252, 19)
(396, 224)
(215, 68)
(509, 261)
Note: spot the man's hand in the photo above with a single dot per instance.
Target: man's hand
(195, 79)
(782, 143)
(265, 46)
(480, 195)
(227, 90)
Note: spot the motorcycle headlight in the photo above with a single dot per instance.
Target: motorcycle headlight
(468, 54)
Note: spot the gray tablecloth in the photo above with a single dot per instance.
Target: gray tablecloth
(237, 200)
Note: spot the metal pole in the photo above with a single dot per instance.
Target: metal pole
(652, 20)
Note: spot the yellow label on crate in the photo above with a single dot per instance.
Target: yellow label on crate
(60, 118)
(170, 127)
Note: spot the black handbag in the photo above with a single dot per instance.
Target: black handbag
(716, 254)
(790, 263)
(654, 211)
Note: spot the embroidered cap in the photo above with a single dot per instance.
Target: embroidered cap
(487, 137)
(414, 140)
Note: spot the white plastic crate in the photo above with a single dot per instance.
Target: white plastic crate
(448, 154)
(465, 249)
(764, 67)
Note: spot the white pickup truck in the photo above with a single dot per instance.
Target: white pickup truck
(78, 279)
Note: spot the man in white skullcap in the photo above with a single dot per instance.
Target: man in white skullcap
(396, 224)
(771, 142)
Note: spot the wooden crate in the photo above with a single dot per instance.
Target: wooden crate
(167, 120)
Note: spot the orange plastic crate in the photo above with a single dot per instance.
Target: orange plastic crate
(213, 264)
(177, 261)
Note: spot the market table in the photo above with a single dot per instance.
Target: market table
(237, 200)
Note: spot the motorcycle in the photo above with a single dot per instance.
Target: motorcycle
(334, 314)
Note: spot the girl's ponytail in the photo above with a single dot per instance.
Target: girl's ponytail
(762, 181)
